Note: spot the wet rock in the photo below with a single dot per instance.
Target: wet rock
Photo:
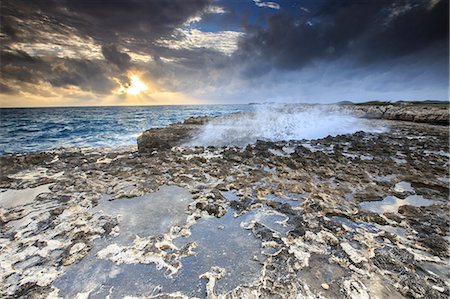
(426, 220)
(242, 205)
(436, 244)
(414, 286)
(394, 259)
(294, 209)
(212, 209)
(170, 136)
(32, 291)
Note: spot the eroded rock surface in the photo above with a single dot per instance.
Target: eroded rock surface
(432, 114)
(172, 135)
(294, 214)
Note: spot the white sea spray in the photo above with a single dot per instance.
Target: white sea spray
(282, 122)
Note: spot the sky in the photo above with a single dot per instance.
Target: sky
(164, 52)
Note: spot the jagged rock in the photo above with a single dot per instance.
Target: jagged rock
(438, 115)
(302, 210)
(170, 136)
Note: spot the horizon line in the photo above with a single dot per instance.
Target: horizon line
(226, 104)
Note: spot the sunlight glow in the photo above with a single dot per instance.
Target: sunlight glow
(136, 86)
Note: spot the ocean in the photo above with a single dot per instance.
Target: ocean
(39, 129)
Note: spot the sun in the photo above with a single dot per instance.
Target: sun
(136, 86)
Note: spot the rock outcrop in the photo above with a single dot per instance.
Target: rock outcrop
(432, 114)
(172, 135)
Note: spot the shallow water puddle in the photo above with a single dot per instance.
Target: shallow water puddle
(320, 271)
(142, 216)
(370, 227)
(12, 198)
(439, 270)
(403, 187)
(444, 179)
(385, 178)
(220, 242)
(147, 215)
(230, 195)
(23, 227)
(292, 199)
(390, 204)
(271, 219)
(399, 231)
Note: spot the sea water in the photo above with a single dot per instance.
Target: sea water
(38, 129)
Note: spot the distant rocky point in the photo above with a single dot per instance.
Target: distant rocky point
(432, 114)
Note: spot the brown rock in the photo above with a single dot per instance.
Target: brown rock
(170, 136)
(432, 114)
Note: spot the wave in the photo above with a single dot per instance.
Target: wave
(281, 122)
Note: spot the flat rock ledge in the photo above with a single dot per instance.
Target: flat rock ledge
(437, 115)
(172, 135)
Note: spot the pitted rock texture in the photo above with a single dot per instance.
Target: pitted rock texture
(303, 201)
(432, 114)
(172, 135)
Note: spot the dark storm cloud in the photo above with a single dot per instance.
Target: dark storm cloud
(369, 31)
(109, 24)
(83, 73)
(138, 19)
(93, 44)
(106, 21)
(399, 37)
(7, 27)
(18, 66)
(6, 89)
(113, 55)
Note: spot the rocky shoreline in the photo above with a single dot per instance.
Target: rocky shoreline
(431, 114)
(179, 134)
(361, 215)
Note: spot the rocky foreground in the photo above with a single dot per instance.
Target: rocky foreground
(353, 216)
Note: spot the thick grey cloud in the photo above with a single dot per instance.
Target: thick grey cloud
(18, 66)
(369, 31)
(339, 50)
(106, 21)
(6, 89)
(83, 26)
(113, 55)
(91, 76)
(294, 52)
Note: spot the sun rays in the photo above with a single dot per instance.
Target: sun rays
(136, 86)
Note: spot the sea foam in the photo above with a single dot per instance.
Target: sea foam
(282, 122)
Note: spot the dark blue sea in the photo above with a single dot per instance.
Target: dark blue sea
(38, 129)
